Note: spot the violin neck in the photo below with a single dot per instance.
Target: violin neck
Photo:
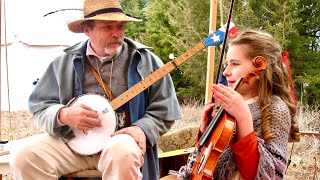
(212, 125)
(237, 85)
(215, 121)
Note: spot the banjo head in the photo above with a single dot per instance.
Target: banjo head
(92, 141)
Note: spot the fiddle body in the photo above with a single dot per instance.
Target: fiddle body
(211, 151)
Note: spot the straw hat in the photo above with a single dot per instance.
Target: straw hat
(108, 10)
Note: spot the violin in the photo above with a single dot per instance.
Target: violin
(217, 136)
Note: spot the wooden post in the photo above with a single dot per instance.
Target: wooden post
(0, 72)
(211, 50)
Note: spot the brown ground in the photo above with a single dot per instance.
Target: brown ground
(305, 156)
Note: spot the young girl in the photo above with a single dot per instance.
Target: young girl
(263, 109)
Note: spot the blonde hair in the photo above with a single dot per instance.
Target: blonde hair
(273, 81)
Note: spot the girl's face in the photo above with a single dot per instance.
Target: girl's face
(238, 65)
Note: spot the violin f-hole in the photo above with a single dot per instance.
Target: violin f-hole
(201, 163)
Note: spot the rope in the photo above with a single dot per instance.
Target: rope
(62, 10)
(221, 14)
(8, 84)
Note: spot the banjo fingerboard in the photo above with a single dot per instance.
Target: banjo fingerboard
(155, 76)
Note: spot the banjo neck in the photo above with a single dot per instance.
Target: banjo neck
(155, 76)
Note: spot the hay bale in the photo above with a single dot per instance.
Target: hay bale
(178, 139)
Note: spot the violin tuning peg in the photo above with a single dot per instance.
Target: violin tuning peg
(171, 56)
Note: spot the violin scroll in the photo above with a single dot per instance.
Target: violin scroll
(260, 63)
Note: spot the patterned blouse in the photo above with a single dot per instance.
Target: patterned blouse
(273, 153)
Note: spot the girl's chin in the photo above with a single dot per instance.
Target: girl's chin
(230, 85)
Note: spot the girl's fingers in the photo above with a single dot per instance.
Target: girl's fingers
(209, 102)
(205, 116)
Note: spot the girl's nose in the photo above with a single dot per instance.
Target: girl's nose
(227, 71)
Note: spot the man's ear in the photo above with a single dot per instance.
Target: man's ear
(86, 30)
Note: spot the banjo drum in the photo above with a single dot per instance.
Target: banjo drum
(92, 141)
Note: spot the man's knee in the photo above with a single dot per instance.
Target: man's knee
(121, 158)
(22, 158)
(122, 146)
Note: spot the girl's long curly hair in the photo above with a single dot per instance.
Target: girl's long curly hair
(274, 80)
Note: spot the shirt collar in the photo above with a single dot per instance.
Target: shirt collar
(252, 100)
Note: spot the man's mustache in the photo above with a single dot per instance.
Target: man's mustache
(114, 41)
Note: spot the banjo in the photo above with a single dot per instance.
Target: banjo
(92, 141)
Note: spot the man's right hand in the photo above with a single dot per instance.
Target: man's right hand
(79, 117)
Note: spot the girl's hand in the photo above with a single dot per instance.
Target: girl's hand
(204, 119)
(229, 99)
(236, 106)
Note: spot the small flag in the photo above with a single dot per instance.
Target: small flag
(232, 33)
(218, 35)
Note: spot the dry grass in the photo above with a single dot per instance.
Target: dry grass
(305, 156)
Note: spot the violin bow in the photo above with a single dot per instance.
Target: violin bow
(224, 43)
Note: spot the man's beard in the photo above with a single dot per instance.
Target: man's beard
(113, 51)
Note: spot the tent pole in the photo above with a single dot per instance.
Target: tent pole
(0, 69)
(211, 50)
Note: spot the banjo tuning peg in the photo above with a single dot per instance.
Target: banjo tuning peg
(171, 56)
(180, 71)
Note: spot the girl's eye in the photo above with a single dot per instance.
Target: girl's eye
(231, 64)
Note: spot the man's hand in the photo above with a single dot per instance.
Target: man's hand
(79, 117)
(137, 134)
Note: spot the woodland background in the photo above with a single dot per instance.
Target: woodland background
(174, 26)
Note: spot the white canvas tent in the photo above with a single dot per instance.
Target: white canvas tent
(29, 42)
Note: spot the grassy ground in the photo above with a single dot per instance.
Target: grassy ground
(305, 155)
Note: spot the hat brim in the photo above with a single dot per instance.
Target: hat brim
(76, 26)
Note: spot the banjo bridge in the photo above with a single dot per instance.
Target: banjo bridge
(105, 111)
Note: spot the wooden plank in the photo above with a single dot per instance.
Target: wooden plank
(85, 173)
(2, 153)
(4, 165)
(176, 152)
(309, 133)
(169, 177)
